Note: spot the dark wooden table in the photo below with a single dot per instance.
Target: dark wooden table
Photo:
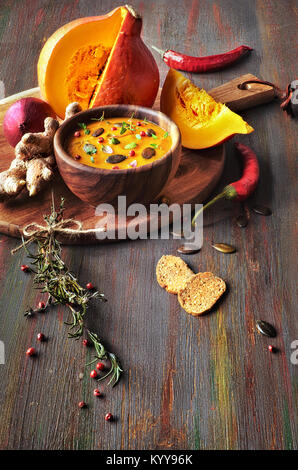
(189, 383)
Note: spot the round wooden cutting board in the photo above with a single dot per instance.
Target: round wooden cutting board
(197, 175)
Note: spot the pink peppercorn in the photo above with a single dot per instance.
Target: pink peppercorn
(132, 153)
(77, 134)
(142, 133)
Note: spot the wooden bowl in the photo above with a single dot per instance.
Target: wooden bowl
(97, 185)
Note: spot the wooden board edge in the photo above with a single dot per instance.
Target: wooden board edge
(21, 94)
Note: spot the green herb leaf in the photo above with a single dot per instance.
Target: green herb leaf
(155, 146)
(165, 135)
(90, 149)
(82, 125)
(123, 128)
(114, 141)
(154, 136)
(92, 159)
(133, 145)
(138, 136)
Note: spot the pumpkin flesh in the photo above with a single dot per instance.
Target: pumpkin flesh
(202, 121)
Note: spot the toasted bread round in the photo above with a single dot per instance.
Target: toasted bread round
(201, 292)
(172, 273)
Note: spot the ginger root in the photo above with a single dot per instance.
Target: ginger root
(34, 161)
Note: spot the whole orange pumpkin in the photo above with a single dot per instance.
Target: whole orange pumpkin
(97, 61)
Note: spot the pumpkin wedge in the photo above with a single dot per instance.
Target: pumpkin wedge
(97, 61)
(202, 121)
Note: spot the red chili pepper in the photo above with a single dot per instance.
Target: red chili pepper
(209, 63)
(243, 188)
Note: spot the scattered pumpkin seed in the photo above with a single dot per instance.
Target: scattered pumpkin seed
(98, 132)
(185, 250)
(150, 132)
(116, 158)
(242, 221)
(224, 247)
(148, 153)
(262, 210)
(265, 328)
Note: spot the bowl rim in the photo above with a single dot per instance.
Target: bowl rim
(62, 154)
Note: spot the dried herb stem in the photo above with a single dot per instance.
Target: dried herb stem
(52, 276)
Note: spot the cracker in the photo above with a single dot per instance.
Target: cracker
(201, 292)
(172, 273)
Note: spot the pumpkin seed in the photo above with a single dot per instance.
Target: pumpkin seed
(262, 210)
(224, 247)
(148, 153)
(106, 149)
(265, 328)
(150, 132)
(90, 149)
(242, 221)
(98, 132)
(185, 250)
(116, 158)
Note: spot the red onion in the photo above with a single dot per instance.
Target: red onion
(25, 115)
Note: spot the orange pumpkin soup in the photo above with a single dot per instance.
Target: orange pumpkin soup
(118, 143)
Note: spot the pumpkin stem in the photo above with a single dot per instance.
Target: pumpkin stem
(132, 11)
(161, 52)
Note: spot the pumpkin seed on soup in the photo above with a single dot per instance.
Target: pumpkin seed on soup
(98, 132)
(150, 132)
(90, 149)
(148, 152)
(116, 158)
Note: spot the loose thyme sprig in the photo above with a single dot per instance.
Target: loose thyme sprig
(54, 278)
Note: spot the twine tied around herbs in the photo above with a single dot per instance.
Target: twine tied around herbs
(35, 230)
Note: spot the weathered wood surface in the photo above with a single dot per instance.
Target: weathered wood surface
(204, 383)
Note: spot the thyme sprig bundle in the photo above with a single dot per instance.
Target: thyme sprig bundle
(54, 278)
